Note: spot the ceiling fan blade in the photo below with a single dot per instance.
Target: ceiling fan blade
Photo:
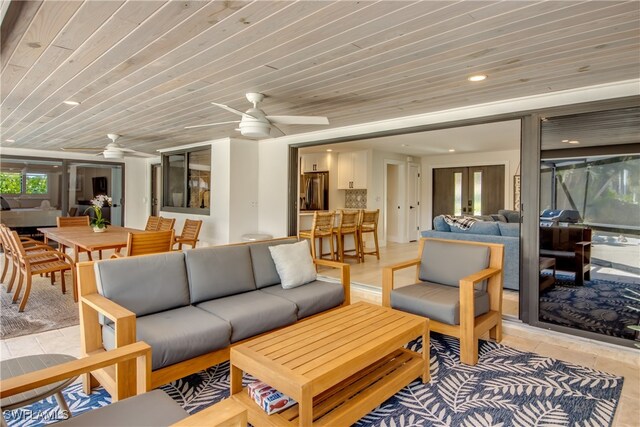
(136, 153)
(211, 124)
(299, 120)
(233, 110)
(278, 130)
(82, 149)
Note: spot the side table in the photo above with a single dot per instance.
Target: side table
(23, 365)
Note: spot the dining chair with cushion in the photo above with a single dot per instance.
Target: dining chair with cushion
(369, 224)
(149, 242)
(459, 288)
(46, 260)
(190, 232)
(321, 227)
(348, 225)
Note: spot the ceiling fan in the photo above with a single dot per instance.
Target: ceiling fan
(256, 124)
(112, 150)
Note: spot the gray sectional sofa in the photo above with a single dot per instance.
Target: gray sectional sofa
(191, 306)
(507, 233)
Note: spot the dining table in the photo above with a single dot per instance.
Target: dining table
(83, 238)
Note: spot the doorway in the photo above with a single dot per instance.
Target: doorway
(88, 180)
(413, 201)
(156, 188)
(393, 202)
(472, 190)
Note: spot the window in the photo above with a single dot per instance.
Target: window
(186, 178)
(17, 183)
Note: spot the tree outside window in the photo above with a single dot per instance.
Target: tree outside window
(10, 183)
(15, 183)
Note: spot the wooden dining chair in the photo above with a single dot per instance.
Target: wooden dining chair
(322, 227)
(166, 224)
(149, 242)
(74, 221)
(369, 224)
(190, 232)
(153, 222)
(347, 225)
(47, 261)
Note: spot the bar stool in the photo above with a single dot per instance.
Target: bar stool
(369, 224)
(322, 227)
(348, 224)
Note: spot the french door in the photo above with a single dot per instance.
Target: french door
(473, 190)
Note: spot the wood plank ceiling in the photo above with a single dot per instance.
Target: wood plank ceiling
(147, 69)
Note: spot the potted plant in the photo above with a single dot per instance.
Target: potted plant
(98, 222)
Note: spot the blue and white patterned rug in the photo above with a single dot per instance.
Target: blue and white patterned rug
(506, 388)
(598, 306)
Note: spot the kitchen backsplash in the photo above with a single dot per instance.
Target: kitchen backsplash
(355, 199)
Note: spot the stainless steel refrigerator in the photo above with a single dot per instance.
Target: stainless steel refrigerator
(314, 191)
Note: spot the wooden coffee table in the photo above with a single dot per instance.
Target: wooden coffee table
(338, 365)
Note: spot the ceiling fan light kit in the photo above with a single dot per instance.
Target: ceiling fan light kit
(256, 124)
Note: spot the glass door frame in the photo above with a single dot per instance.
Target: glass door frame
(530, 208)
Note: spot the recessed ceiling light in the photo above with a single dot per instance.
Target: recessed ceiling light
(329, 150)
(452, 150)
(10, 140)
(405, 145)
(70, 102)
(565, 140)
(477, 77)
(573, 141)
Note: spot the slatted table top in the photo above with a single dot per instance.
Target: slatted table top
(322, 350)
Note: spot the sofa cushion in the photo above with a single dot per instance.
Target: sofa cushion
(435, 301)
(294, 264)
(311, 298)
(448, 262)
(510, 229)
(264, 269)
(177, 335)
(480, 227)
(439, 224)
(499, 218)
(252, 313)
(219, 271)
(154, 408)
(512, 216)
(126, 281)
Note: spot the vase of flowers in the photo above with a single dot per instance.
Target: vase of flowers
(98, 222)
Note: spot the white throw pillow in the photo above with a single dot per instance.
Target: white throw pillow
(294, 264)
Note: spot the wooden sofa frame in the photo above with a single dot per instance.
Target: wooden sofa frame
(115, 379)
(471, 327)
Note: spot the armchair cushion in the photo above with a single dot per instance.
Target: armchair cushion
(217, 272)
(176, 335)
(480, 227)
(158, 408)
(311, 298)
(439, 224)
(252, 313)
(126, 282)
(446, 263)
(435, 301)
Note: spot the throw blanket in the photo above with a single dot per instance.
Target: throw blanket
(463, 223)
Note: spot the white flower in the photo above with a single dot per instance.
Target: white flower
(101, 200)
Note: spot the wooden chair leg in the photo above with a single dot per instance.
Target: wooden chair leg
(495, 333)
(13, 278)
(27, 291)
(375, 239)
(62, 283)
(313, 247)
(16, 295)
(89, 255)
(469, 350)
(5, 269)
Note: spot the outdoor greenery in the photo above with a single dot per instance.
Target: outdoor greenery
(34, 183)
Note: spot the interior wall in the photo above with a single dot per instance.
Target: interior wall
(273, 181)
(510, 159)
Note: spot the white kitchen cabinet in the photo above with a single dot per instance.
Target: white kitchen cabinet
(352, 170)
(315, 162)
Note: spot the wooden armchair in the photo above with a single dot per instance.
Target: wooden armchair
(136, 358)
(153, 222)
(190, 233)
(149, 242)
(38, 259)
(11, 257)
(459, 288)
(166, 224)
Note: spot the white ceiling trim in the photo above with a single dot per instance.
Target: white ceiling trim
(566, 97)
